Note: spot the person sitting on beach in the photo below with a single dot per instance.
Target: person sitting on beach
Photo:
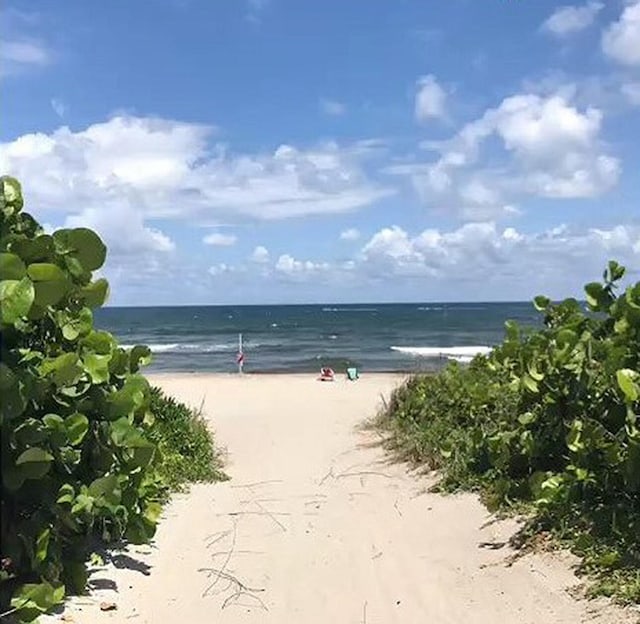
(326, 374)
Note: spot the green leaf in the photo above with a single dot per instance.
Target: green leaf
(107, 489)
(530, 384)
(46, 272)
(97, 366)
(11, 201)
(33, 463)
(58, 431)
(95, 294)
(31, 600)
(541, 303)
(42, 545)
(77, 426)
(596, 295)
(16, 298)
(101, 342)
(84, 245)
(627, 381)
(50, 282)
(140, 356)
(616, 271)
(11, 267)
(527, 418)
(64, 370)
(66, 494)
(34, 454)
(574, 437)
(13, 402)
(75, 325)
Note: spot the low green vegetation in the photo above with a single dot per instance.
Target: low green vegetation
(547, 423)
(89, 450)
(183, 442)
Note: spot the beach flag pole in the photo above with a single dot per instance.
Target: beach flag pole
(240, 358)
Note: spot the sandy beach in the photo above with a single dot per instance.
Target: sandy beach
(317, 526)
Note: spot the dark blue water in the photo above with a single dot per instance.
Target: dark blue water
(305, 337)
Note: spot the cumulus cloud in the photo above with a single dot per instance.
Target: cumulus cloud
(288, 266)
(260, 255)
(621, 40)
(332, 107)
(547, 147)
(350, 234)
(217, 239)
(430, 100)
(451, 264)
(560, 257)
(174, 172)
(567, 20)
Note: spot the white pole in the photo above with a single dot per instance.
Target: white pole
(240, 354)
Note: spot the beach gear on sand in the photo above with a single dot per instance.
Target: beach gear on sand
(326, 374)
(352, 373)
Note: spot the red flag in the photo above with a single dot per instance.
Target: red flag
(240, 358)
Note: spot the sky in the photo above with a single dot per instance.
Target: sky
(298, 151)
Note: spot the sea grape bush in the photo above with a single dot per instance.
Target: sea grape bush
(74, 412)
(551, 418)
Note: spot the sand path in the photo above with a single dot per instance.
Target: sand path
(317, 527)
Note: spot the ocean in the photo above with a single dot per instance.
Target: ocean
(302, 338)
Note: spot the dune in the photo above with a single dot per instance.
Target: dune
(316, 525)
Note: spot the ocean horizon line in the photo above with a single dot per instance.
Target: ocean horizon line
(323, 304)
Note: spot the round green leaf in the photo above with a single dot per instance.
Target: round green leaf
(11, 267)
(50, 282)
(97, 366)
(16, 298)
(34, 454)
(83, 244)
(95, 294)
(46, 272)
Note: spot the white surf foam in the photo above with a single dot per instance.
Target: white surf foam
(462, 354)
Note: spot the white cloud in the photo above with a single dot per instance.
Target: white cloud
(621, 40)
(631, 91)
(482, 251)
(20, 54)
(217, 239)
(136, 239)
(290, 267)
(350, 235)
(332, 107)
(221, 269)
(260, 255)
(430, 100)
(59, 107)
(170, 171)
(567, 20)
(547, 147)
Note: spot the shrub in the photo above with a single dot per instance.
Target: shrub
(548, 418)
(77, 430)
(186, 452)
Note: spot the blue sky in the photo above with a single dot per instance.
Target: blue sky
(267, 151)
